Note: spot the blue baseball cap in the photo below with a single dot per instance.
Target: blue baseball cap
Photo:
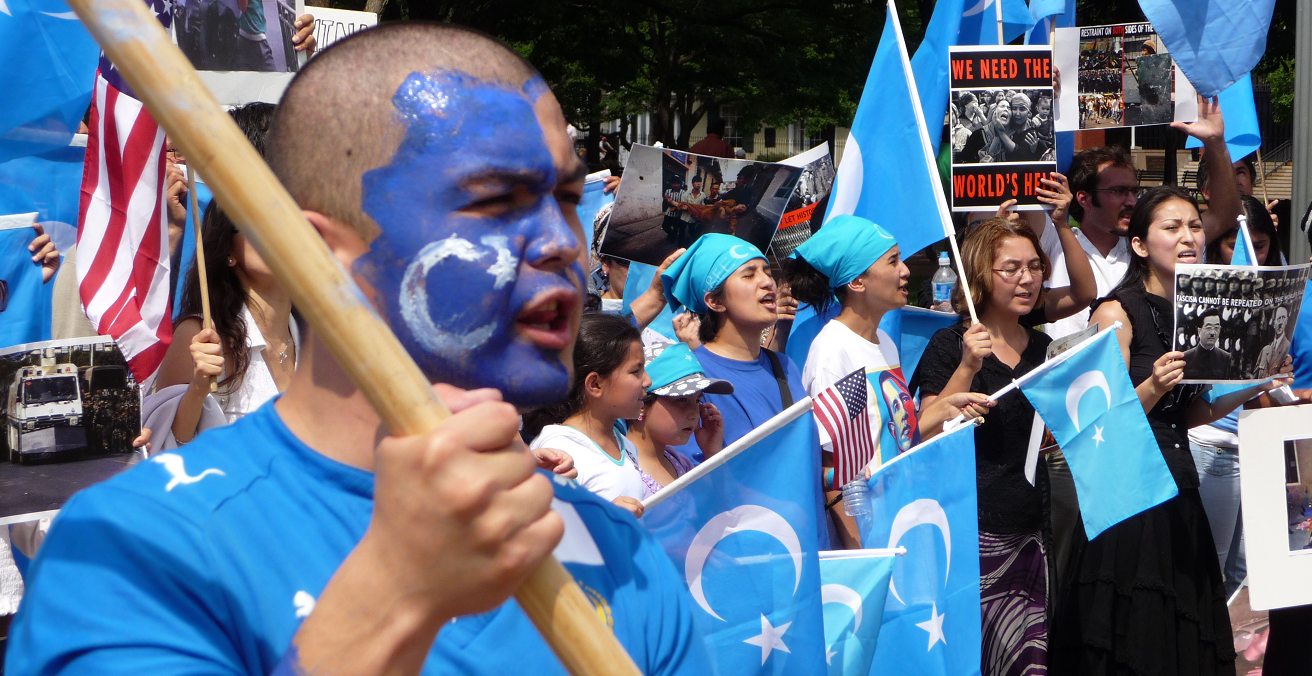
(705, 265)
(675, 372)
(845, 248)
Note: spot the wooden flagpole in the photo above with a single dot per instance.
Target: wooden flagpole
(206, 320)
(997, 7)
(362, 343)
(931, 163)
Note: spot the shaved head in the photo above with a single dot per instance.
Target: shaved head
(336, 121)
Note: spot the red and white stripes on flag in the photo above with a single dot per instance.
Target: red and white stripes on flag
(843, 409)
(122, 232)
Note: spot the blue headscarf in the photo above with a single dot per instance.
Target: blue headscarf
(845, 248)
(705, 265)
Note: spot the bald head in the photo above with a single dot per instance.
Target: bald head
(337, 119)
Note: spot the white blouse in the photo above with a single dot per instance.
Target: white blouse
(256, 386)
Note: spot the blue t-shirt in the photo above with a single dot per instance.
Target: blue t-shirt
(1300, 347)
(754, 401)
(206, 561)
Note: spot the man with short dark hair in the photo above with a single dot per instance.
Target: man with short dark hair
(714, 144)
(1207, 361)
(302, 539)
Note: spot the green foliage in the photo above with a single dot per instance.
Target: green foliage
(1280, 75)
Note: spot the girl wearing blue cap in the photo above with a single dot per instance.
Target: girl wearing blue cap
(673, 413)
(855, 262)
(727, 283)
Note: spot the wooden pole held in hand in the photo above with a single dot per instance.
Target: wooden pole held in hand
(322, 289)
(206, 321)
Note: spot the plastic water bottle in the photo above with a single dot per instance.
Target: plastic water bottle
(945, 280)
(856, 498)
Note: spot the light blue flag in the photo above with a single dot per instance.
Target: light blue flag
(1214, 43)
(1086, 398)
(49, 71)
(637, 283)
(49, 183)
(1243, 135)
(744, 536)
(979, 22)
(187, 246)
(868, 183)
(1049, 14)
(853, 589)
(924, 500)
(24, 301)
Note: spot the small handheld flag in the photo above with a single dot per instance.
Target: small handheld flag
(853, 590)
(843, 409)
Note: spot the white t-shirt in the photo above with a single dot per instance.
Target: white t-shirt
(598, 472)
(1107, 271)
(835, 353)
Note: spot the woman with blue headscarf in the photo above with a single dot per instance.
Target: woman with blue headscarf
(727, 283)
(856, 263)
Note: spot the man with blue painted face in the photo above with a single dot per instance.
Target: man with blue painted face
(301, 539)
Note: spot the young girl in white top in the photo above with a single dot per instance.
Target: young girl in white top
(610, 382)
(856, 262)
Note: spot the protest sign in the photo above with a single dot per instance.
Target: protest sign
(243, 52)
(67, 398)
(1000, 126)
(1276, 493)
(1118, 76)
(1234, 323)
(810, 200)
(669, 198)
(331, 25)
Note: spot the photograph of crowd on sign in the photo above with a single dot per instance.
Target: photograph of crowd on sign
(67, 398)
(1234, 324)
(1298, 493)
(1118, 76)
(806, 210)
(1000, 125)
(669, 198)
(237, 35)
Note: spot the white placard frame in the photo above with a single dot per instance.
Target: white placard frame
(1277, 577)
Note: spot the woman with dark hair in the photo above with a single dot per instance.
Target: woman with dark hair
(1261, 230)
(251, 352)
(1146, 595)
(856, 262)
(1005, 269)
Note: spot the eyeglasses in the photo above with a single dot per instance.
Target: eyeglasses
(1123, 191)
(1036, 270)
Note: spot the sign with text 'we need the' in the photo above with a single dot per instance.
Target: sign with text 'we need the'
(1000, 124)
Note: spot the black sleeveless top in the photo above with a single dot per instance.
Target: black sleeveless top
(1151, 321)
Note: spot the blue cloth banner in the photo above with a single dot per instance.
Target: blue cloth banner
(853, 589)
(924, 500)
(49, 183)
(911, 327)
(744, 535)
(1048, 14)
(50, 70)
(979, 23)
(1087, 400)
(639, 280)
(1214, 43)
(24, 300)
(1243, 135)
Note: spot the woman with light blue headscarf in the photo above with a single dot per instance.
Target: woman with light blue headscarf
(727, 282)
(857, 264)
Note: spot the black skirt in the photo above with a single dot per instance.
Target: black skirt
(1147, 599)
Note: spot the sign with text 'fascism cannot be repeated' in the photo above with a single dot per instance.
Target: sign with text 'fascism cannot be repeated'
(1000, 125)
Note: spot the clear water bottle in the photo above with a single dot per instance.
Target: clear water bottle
(856, 498)
(945, 280)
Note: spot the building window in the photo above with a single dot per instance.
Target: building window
(769, 137)
(729, 113)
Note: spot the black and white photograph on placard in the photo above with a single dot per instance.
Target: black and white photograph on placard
(1001, 125)
(669, 198)
(1235, 324)
(809, 203)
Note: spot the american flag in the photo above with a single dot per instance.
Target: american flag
(843, 409)
(122, 233)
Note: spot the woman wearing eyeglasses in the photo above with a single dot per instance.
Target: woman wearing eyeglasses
(1147, 595)
(1005, 269)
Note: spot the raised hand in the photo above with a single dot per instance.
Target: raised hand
(1210, 125)
(44, 252)
(1058, 194)
(710, 433)
(977, 346)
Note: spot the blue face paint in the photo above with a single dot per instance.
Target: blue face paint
(452, 284)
